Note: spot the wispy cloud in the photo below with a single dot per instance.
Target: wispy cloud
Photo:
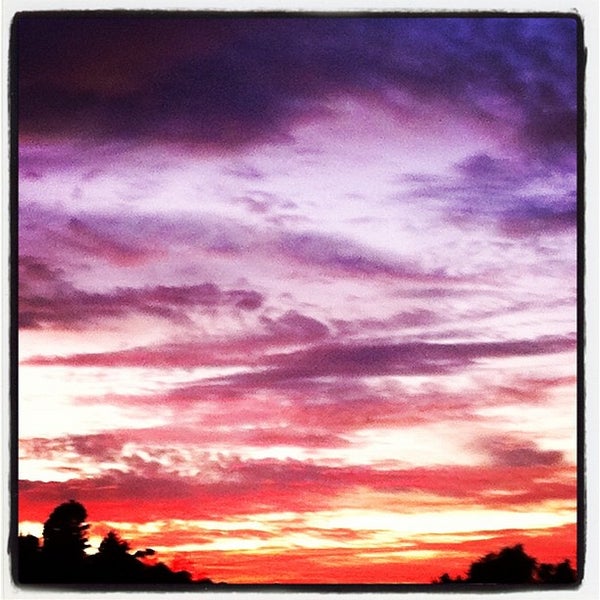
(59, 304)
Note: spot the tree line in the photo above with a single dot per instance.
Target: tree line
(513, 566)
(61, 558)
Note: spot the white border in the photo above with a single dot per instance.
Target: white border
(589, 12)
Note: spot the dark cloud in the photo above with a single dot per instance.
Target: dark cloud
(482, 185)
(508, 451)
(47, 300)
(317, 360)
(538, 221)
(498, 192)
(233, 81)
(412, 358)
(485, 168)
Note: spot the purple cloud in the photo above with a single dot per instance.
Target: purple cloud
(488, 190)
(507, 451)
(129, 241)
(47, 300)
(233, 81)
(123, 240)
(344, 257)
(538, 221)
(412, 358)
(295, 326)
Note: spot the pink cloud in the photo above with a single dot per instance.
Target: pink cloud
(85, 239)
(318, 360)
(416, 358)
(511, 451)
(233, 486)
(47, 300)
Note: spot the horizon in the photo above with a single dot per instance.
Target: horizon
(301, 288)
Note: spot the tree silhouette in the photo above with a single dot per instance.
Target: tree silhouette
(561, 573)
(513, 566)
(112, 546)
(510, 565)
(29, 558)
(63, 559)
(65, 531)
(65, 541)
(113, 563)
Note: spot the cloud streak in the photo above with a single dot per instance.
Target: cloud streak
(59, 304)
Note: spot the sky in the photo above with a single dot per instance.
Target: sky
(297, 296)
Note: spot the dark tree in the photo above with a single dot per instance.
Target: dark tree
(565, 573)
(29, 559)
(112, 546)
(560, 573)
(113, 563)
(510, 565)
(63, 559)
(65, 531)
(65, 541)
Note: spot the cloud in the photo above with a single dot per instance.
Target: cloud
(518, 199)
(47, 301)
(296, 327)
(311, 362)
(412, 358)
(121, 240)
(324, 421)
(83, 238)
(508, 451)
(271, 333)
(417, 318)
(363, 558)
(538, 221)
(346, 258)
(128, 242)
(518, 73)
(231, 486)
(101, 447)
(492, 185)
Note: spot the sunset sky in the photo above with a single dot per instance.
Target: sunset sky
(297, 296)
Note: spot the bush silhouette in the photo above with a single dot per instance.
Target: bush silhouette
(513, 566)
(62, 559)
(510, 565)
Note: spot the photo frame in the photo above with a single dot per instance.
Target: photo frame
(269, 269)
